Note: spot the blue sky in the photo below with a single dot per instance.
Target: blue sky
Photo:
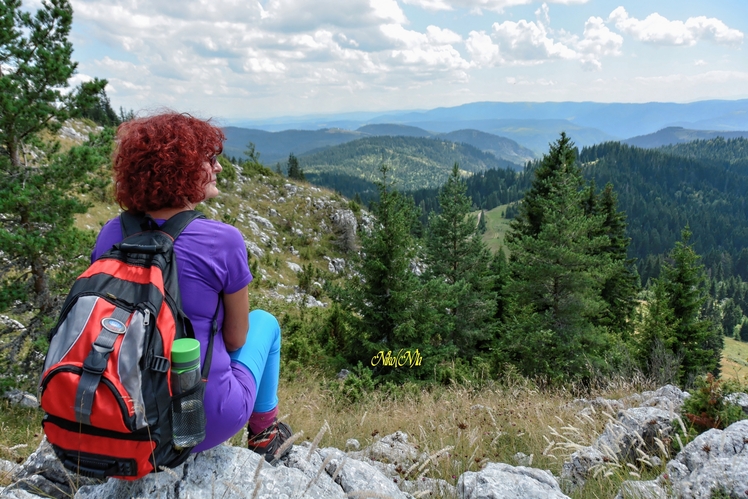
(239, 60)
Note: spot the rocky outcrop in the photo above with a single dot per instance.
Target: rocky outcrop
(21, 398)
(501, 481)
(715, 461)
(636, 436)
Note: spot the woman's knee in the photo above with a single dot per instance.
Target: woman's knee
(265, 322)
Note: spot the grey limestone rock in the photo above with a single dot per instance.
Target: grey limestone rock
(740, 399)
(716, 458)
(262, 221)
(635, 430)
(575, 471)
(224, 471)
(523, 459)
(294, 267)
(357, 476)
(6, 321)
(650, 489)
(502, 481)
(43, 474)
(313, 466)
(394, 449)
(13, 493)
(254, 249)
(24, 399)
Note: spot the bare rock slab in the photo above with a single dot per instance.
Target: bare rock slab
(502, 481)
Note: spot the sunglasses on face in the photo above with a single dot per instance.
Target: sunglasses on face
(213, 160)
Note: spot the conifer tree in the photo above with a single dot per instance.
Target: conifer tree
(41, 248)
(557, 267)
(697, 340)
(294, 171)
(457, 260)
(384, 296)
(35, 66)
(622, 285)
(482, 225)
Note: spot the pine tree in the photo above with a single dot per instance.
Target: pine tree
(39, 196)
(294, 171)
(35, 66)
(43, 250)
(384, 296)
(557, 267)
(482, 225)
(744, 331)
(458, 261)
(697, 340)
(693, 339)
(622, 285)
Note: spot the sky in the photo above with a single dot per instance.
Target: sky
(240, 60)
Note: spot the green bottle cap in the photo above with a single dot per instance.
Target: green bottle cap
(185, 354)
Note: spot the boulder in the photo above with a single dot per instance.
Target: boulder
(356, 476)
(224, 471)
(634, 432)
(43, 474)
(394, 449)
(21, 398)
(650, 489)
(740, 399)
(716, 458)
(502, 481)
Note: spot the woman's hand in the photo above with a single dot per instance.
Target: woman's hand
(236, 319)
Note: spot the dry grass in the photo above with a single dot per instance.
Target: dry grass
(461, 428)
(735, 360)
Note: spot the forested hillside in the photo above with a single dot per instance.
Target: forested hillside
(414, 162)
(700, 184)
(679, 135)
(661, 193)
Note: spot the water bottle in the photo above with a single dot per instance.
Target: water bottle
(188, 413)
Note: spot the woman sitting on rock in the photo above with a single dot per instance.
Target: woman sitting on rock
(166, 164)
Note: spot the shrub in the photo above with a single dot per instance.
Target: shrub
(707, 406)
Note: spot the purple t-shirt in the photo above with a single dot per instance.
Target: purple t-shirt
(211, 257)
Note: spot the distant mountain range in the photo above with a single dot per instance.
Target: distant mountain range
(679, 135)
(534, 124)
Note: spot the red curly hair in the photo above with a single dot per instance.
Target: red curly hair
(159, 161)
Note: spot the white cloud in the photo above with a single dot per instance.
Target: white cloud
(478, 6)
(482, 50)
(529, 42)
(598, 41)
(534, 42)
(430, 51)
(659, 30)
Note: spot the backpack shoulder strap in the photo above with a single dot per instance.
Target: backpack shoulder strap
(176, 224)
(132, 224)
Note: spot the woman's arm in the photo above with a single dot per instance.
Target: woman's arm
(236, 319)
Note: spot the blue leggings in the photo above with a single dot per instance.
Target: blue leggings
(261, 355)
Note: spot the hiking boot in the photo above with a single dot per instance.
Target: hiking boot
(268, 441)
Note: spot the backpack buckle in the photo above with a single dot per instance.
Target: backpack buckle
(96, 361)
(160, 364)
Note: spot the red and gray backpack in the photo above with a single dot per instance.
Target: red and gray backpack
(105, 386)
